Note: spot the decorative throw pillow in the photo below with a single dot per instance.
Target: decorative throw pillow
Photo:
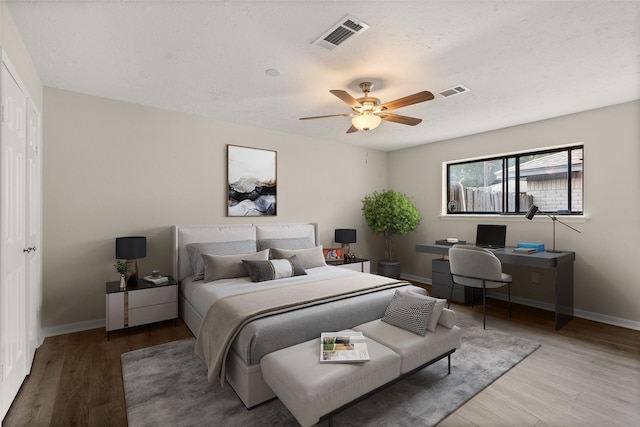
(229, 266)
(195, 251)
(309, 258)
(437, 309)
(409, 311)
(260, 271)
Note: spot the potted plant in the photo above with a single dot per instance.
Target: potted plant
(392, 214)
(123, 267)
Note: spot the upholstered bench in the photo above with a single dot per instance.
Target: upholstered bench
(414, 350)
(313, 391)
(310, 389)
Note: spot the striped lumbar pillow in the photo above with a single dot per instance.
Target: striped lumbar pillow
(260, 271)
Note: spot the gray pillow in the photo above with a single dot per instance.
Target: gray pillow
(260, 271)
(436, 313)
(195, 251)
(287, 243)
(229, 266)
(410, 311)
(309, 258)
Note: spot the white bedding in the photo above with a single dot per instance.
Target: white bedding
(202, 294)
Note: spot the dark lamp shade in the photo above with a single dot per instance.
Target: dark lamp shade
(345, 235)
(131, 247)
(531, 212)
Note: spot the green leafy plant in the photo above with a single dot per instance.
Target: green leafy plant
(123, 267)
(392, 214)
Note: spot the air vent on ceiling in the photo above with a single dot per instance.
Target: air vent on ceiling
(341, 32)
(452, 91)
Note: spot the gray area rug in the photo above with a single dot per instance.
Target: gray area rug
(166, 385)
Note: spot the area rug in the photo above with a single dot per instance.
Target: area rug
(166, 385)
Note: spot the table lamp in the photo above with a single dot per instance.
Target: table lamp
(130, 249)
(345, 236)
(532, 212)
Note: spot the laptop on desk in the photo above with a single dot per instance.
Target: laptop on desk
(492, 237)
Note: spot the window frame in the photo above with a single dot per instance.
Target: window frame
(505, 159)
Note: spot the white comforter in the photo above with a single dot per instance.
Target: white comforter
(202, 294)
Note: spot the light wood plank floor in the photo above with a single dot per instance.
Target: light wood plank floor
(586, 374)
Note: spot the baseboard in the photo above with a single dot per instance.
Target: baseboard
(73, 327)
(523, 301)
(413, 278)
(603, 318)
(583, 314)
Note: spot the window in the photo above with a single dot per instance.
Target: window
(510, 184)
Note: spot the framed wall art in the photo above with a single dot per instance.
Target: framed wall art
(252, 181)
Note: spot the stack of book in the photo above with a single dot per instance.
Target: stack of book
(525, 250)
(160, 280)
(343, 347)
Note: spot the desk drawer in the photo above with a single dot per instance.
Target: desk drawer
(440, 266)
(461, 294)
(441, 284)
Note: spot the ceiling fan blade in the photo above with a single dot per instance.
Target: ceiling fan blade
(346, 98)
(405, 120)
(407, 100)
(322, 117)
(352, 129)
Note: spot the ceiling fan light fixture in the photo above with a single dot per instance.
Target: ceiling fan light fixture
(366, 121)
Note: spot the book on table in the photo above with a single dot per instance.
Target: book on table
(525, 250)
(156, 280)
(343, 347)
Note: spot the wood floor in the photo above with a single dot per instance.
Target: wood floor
(586, 374)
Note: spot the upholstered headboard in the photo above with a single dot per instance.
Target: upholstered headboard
(264, 235)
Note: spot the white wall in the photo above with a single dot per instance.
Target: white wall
(115, 169)
(14, 48)
(606, 281)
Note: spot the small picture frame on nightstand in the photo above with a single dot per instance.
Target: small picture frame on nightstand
(332, 254)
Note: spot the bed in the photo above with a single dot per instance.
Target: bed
(322, 298)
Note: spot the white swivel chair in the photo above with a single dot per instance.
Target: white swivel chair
(478, 268)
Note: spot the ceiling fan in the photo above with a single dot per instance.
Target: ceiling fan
(368, 112)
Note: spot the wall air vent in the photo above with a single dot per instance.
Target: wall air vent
(452, 91)
(347, 28)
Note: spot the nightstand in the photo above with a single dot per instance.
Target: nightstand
(141, 304)
(360, 264)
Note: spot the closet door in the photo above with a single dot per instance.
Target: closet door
(13, 337)
(33, 226)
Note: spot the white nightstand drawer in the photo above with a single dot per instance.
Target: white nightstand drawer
(153, 296)
(152, 313)
(140, 304)
(361, 266)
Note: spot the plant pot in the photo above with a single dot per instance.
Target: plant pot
(389, 269)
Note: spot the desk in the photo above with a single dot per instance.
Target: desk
(561, 264)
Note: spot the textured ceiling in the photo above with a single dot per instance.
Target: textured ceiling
(523, 60)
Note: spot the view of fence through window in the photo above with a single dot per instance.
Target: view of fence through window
(550, 179)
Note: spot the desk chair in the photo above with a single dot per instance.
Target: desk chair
(478, 268)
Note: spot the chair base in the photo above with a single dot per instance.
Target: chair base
(484, 300)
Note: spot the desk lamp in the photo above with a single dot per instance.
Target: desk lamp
(345, 236)
(532, 212)
(130, 249)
